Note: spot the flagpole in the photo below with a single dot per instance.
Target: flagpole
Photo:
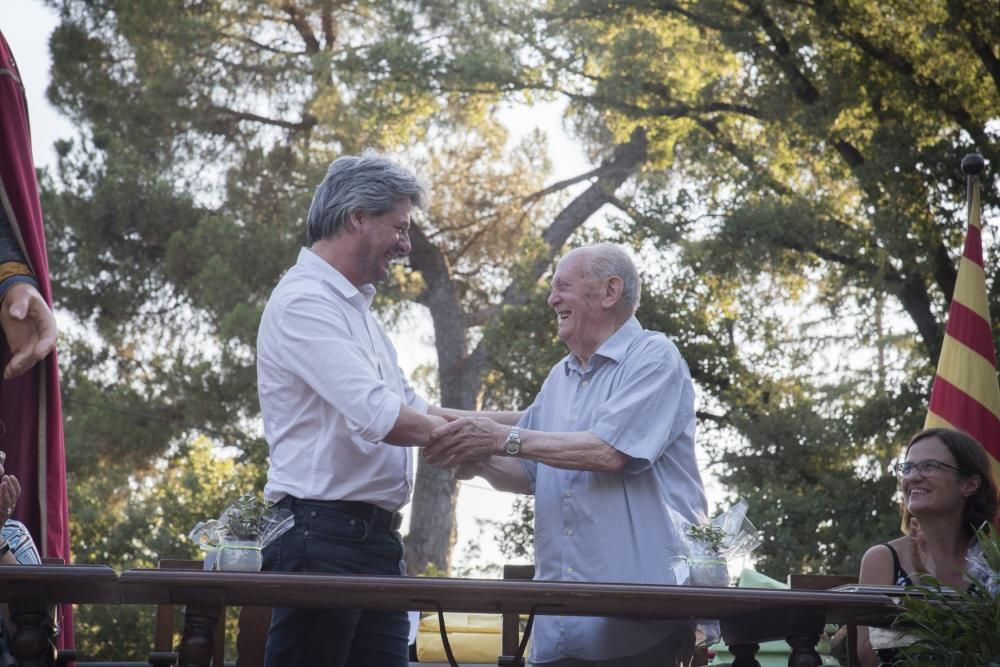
(973, 164)
(965, 394)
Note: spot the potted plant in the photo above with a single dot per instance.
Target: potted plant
(234, 541)
(707, 547)
(239, 548)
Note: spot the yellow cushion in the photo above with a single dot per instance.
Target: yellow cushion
(462, 622)
(473, 637)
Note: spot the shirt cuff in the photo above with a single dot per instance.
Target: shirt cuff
(420, 405)
(385, 418)
(10, 281)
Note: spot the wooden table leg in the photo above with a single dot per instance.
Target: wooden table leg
(32, 643)
(198, 640)
(803, 651)
(745, 655)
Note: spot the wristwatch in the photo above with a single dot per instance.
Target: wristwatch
(512, 447)
(4, 548)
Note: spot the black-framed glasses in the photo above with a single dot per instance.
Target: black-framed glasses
(926, 468)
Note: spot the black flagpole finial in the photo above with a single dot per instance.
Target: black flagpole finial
(973, 164)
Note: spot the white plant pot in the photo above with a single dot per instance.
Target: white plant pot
(709, 572)
(239, 556)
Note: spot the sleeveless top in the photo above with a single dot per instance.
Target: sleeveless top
(899, 575)
(901, 578)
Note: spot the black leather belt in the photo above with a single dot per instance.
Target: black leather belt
(373, 513)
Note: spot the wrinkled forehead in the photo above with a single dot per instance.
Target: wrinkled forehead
(573, 264)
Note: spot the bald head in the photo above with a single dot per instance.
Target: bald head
(607, 260)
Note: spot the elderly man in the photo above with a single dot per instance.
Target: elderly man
(606, 448)
(339, 414)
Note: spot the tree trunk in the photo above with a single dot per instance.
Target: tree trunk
(432, 520)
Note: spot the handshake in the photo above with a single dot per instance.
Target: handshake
(466, 445)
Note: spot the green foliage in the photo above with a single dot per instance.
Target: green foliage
(797, 214)
(707, 534)
(956, 628)
(243, 519)
(516, 538)
(136, 524)
(204, 129)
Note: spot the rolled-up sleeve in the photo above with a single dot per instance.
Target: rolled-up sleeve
(322, 350)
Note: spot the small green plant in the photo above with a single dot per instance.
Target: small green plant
(708, 534)
(956, 628)
(243, 519)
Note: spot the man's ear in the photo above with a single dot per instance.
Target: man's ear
(613, 287)
(354, 219)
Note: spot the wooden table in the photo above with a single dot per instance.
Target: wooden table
(31, 591)
(747, 616)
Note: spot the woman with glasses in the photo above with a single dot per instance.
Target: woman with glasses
(948, 491)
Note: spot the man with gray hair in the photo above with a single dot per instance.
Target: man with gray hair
(606, 448)
(339, 414)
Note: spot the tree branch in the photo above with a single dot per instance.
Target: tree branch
(301, 25)
(260, 46)
(895, 61)
(624, 161)
(782, 54)
(967, 19)
(308, 120)
(562, 185)
(329, 28)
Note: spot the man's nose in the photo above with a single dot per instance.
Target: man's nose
(403, 243)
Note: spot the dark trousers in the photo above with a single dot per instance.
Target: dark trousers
(332, 541)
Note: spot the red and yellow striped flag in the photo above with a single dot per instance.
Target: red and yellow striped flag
(966, 395)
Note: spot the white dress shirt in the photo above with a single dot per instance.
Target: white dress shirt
(330, 389)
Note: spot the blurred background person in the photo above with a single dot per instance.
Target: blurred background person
(31, 430)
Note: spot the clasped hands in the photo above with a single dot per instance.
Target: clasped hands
(10, 489)
(465, 445)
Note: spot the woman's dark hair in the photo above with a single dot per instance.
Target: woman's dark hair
(972, 460)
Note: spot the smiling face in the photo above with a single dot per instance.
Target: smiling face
(384, 238)
(941, 492)
(580, 303)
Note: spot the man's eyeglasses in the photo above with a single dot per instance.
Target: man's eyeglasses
(926, 468)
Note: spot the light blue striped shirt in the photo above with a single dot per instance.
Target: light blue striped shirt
(22, 546)
(637, 396)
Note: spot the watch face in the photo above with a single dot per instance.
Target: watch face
(513, 444)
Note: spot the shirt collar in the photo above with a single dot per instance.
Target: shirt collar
(613, 348)
(316, 265)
